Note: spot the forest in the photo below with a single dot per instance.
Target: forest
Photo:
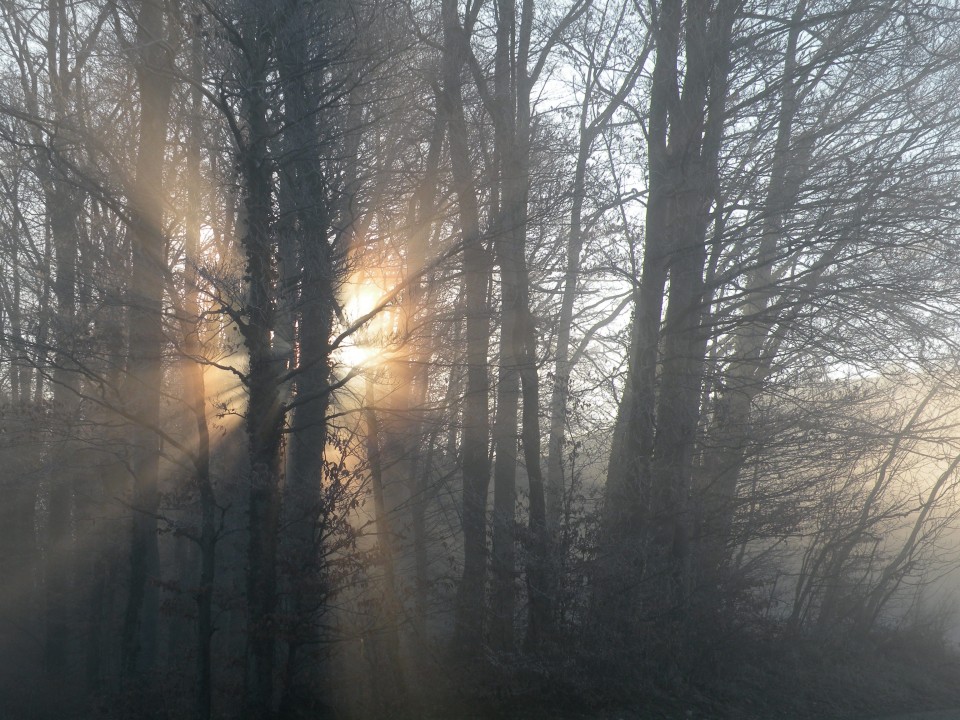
(461, 359)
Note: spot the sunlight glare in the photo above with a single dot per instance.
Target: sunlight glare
(361, 295)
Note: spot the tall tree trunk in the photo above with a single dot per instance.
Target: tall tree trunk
(414, 372)
(518, 379)
(589, 130)
(646, 515)
(505, 429)
(307, 195)
(561, 383)
(191, 325)
(748, 362)
(474, 459)
(519, 376)
(265, 414)
(509, 243)
(139, 642)
(62, 206)
(21, 460)
(65, 386)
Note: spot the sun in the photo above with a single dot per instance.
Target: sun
(362, 294)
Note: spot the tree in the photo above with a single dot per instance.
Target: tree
(147, 340)
(646, 513)
(474, 459)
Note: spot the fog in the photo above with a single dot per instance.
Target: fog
(427, 359)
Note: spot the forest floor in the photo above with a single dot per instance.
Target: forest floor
(892, 680)
(932, 715)
(889, 678)
(895, 678)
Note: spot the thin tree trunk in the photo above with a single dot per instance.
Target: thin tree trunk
(416, 371)
(503, 598)
(195, 389)
(747, 364)
(561, 386)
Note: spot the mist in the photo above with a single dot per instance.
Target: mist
(411, 359)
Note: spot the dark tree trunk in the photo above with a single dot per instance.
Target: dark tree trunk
(265, 414)
(306, 196)
(647, 522)
(518, 376)
(414, 373)
(474, 459)
(191, 325)
(146, 344)
(63, 209)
